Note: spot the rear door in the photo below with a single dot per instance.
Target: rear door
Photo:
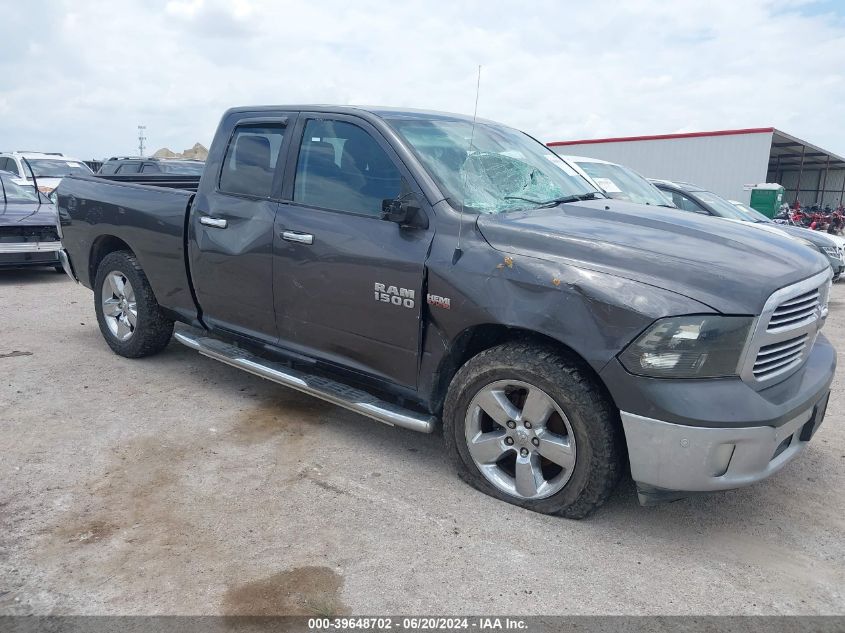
(231, 228)
(348, 284)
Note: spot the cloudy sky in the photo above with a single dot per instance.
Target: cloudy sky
(78, 76)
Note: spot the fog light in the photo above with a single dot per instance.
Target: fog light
(721, 458)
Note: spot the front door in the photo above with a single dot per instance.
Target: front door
(348, 284)
(231, 232)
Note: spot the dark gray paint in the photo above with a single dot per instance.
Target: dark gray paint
(13, 214)
(27, 214)
(590, 276)
(817, 239)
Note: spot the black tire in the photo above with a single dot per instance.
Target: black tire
(594, 421)
(153, 330)
(59, 269)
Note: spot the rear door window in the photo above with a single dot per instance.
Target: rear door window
(251, 160)
(150, 168)
(687, 204)
(342, 167)
(10, 165)
(130, 167)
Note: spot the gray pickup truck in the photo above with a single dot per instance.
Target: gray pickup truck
(438, 273)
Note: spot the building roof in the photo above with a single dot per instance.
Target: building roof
(786, 151)
(663, 137)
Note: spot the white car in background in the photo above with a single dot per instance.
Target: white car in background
(48, 168)
(617, 181)
(837, 239)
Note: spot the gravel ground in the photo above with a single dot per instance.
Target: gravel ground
(178, 485)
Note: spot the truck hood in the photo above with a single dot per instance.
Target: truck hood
(729, 266)
(14, 214)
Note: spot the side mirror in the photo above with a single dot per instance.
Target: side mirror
(404, 211)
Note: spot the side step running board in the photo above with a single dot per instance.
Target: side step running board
(323, 388)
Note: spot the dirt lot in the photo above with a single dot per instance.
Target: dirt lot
(176, 484)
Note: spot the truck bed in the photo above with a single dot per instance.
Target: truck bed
(170, 181)
(96, 211)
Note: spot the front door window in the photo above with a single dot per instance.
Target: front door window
(341, 167)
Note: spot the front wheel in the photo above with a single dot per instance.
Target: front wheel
(529, 425)
(129, 316)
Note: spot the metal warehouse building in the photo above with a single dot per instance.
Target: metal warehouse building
(726, 161)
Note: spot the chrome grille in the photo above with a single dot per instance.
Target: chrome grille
(794, 311)
(779, 357)
(785, 331)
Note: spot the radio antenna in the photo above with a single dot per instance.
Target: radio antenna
(34, 179)
(458, 252)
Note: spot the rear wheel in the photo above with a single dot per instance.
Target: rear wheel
(529, 425)
(128, 314)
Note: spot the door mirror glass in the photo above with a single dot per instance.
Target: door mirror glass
(404, 210)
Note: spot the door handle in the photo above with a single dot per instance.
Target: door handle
(299, 238)
(217, 223)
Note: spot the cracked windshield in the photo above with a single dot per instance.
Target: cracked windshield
(492, 169)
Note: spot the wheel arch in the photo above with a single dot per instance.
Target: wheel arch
(477, 338)
(102, 246)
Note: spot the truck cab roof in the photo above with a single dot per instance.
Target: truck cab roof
(381, 112)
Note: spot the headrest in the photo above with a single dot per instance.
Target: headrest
(319, 154)
(362, 151)
(253, 151)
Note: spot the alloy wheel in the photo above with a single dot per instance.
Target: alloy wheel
(120, 310)
(520, 439)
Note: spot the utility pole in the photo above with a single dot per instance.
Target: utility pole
(141, 138)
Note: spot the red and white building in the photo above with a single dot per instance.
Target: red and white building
(726, 161)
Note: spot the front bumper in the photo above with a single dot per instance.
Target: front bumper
(16, 254)
(688, 436)
(668, 459)
(66, 265)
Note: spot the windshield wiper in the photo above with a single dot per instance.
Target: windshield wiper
(542, 204)
(578, 197)
(526, 199)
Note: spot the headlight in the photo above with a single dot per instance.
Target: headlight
(830, 251)
(704, 346)
(824, 296)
